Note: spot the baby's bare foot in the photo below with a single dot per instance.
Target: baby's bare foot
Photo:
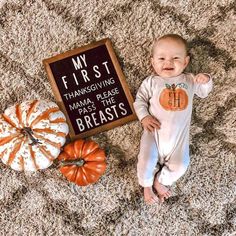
(162, 191)
(149, 196)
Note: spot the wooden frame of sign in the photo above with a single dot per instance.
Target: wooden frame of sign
(90, 89)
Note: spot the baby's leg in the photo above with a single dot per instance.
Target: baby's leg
(147, 160)
(173, 169)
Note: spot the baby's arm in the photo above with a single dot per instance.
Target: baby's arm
(141, 106)
(203, 85)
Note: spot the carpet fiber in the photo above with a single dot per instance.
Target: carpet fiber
(43, 202)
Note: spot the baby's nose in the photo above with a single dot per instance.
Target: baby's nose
(169, 61)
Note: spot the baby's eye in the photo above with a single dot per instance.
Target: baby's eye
(176, 58)
(161, 58)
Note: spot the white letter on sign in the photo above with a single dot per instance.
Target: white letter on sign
(85, 75)
(105, 64)
(63, 79)
(80, 124)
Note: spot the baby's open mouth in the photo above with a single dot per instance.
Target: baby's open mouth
(168, 68)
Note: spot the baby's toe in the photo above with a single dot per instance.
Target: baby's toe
(147, 200)
(151, 201)
(162, 198)
(168, 193)
(156, 199)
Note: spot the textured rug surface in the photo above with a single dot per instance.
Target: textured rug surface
(203, 201)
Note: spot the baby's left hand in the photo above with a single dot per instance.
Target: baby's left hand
(201, 78)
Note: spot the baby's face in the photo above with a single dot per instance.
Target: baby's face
(169, 58)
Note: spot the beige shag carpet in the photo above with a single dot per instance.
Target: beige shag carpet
(44, 203)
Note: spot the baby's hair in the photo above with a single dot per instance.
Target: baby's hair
(175, 37)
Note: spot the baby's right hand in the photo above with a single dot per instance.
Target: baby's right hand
(150, 123)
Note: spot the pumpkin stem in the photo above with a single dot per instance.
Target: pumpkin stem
(27, 131)
(78, 162)
(173, 87)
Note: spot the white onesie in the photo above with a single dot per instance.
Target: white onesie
(170, 101)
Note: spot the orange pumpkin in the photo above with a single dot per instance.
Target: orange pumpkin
(173, 98)
(82, 162)
(32, 134)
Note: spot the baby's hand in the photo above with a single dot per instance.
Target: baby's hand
(150, 123)
(201, 78)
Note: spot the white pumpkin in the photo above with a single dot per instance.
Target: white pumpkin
(31, 135)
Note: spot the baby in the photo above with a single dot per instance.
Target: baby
(164, 105)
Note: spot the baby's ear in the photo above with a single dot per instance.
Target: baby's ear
(152, 61)
(187, 60)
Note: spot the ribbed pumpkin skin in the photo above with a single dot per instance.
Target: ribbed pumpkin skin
(31, 135)
(93, 162)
